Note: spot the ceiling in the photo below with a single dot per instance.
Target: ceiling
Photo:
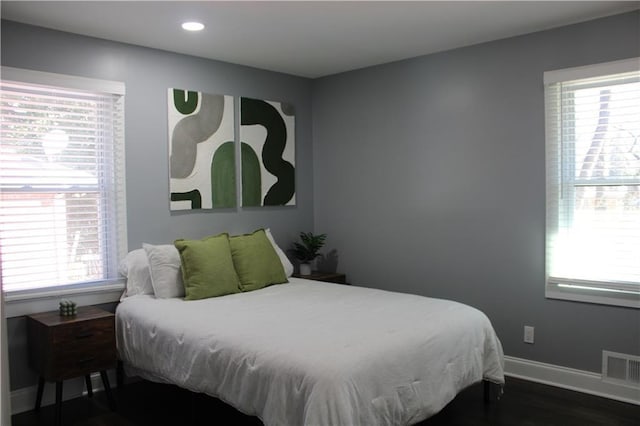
(309, 39)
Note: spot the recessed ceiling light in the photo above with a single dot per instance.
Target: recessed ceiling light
(192, 26)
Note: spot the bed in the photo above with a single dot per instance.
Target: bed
(313, 353)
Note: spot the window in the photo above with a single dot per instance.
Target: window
(62, 200)
(593, 183)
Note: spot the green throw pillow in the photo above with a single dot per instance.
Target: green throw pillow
(207, 267)
(256, 261)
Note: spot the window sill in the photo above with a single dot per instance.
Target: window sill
(601, 297)
(47, 299)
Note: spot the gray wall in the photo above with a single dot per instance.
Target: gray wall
(429, 178)
(148, 74)
(428, 174)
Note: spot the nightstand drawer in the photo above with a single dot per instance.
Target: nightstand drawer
(65, 347)
(90, 332)
(77, 359)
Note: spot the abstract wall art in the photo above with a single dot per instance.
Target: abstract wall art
(202, 172)
(267, 151)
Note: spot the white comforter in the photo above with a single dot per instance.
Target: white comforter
(311, 353)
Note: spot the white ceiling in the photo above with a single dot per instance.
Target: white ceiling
(309, 39)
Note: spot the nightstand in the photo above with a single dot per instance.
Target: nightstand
(332, 277)
(61, 348)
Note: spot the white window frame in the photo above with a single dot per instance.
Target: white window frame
(609, 293)
(24, 302)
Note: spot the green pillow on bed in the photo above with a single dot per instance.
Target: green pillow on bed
(256, 261)
(207, 267)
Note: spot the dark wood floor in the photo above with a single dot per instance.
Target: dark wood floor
(523, 403)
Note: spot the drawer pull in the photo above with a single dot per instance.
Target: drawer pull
(85, 360)
(84, 335)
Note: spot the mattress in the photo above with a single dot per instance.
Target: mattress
(313, 353)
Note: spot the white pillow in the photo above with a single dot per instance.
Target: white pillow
(286, 263)
(135, 268)
(164, 265)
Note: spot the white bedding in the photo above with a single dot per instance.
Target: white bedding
(311, 353)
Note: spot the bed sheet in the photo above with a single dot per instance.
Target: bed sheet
(313, 353)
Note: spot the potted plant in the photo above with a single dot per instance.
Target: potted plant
(307, 250)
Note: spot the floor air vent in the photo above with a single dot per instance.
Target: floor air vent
(621, 369)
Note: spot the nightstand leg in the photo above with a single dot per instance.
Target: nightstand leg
(39, 395)
(107, 389)
(87, 381)
(58, 421)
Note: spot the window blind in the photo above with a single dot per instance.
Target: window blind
(593, 187)
(62, 211)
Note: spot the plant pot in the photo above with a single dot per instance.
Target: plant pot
(305, 269)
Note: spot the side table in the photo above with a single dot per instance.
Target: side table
(331, 277)
(62, 347)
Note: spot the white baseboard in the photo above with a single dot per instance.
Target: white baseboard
(568, 378)
(25, 399)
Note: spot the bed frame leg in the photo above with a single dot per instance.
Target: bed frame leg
(119, 375)
(498, 390)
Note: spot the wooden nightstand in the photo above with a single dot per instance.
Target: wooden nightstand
(61, 348)
(332, 277)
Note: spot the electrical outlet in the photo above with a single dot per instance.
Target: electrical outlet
(528, 334)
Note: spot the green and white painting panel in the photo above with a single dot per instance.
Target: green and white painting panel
(202, 171)
(267, 136)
